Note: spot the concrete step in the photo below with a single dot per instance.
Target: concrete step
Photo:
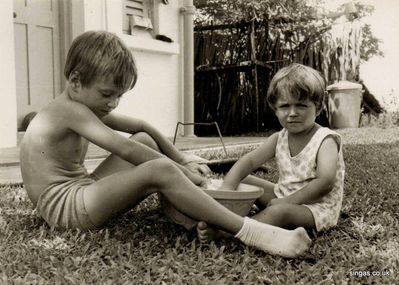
(9, 157)
(12, 174)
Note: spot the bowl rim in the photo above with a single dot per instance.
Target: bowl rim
(244, 192)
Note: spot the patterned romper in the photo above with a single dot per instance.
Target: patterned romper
(295, 172)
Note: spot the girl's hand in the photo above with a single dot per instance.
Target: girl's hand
(222, 188)
(227, 187)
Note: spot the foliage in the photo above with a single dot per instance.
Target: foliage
(370, 45)
(295, 21)
(227, 11)
(266, 35)
(142, 247)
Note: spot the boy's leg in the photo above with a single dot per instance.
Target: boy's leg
(121, 191)
(206, 233)
(288, 216)
(113, 163)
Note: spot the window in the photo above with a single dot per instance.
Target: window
(137, 16)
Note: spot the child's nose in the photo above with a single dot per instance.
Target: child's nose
(292, 111)
(113, 103)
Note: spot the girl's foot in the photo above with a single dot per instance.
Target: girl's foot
(206, 234)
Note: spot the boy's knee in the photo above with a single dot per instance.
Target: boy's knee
(164, 168)
(146, 139)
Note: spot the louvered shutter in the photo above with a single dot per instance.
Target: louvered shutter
(136, 13)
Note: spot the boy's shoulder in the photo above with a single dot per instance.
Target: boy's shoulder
(59, 115)
(67, 110)
(62, 102)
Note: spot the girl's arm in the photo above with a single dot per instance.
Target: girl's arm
(327, 160)
(250, 162)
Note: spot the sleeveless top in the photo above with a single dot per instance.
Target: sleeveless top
(297, 171)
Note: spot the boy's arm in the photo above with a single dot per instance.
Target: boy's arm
(131, 125)
(85, 123)
(327, 160)
(250, 162)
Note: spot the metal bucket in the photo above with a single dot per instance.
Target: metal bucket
(344, 104)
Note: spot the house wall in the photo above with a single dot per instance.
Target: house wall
(157, 96)
(8, 113)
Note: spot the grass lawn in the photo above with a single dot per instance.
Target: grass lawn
(143, 247)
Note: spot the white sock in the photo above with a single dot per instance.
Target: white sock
(274, 240)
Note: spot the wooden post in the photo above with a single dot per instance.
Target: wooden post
(255, 73)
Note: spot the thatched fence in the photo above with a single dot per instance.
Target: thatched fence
(235, 63)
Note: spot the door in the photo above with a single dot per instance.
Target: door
(37, 54)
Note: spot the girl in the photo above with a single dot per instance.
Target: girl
(309, 158)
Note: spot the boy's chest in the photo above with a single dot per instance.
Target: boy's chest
(73, 148)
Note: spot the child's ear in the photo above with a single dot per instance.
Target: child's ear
(74, 80)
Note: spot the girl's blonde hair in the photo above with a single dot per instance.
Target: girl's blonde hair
(300, 81)
(100, 54)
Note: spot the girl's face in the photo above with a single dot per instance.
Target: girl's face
(297, 116)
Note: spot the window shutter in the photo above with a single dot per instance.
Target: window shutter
(136, 13)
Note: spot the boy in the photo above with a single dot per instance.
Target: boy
(100, 69)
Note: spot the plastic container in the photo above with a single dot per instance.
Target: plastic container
(239, 201)
(344, 104)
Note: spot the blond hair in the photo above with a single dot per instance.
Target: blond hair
(300, 81)
(100, 54)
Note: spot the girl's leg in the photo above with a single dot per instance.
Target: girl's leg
(267, 186)
(121, 191)
(288, 216)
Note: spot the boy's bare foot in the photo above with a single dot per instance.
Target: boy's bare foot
(274, 240)
(206, 234)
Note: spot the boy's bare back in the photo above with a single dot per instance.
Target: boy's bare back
(51, 151)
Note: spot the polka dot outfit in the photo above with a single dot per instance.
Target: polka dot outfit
(295, 172)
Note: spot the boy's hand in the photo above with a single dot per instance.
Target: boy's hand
(197, 179)
(201, 169)
(195, 164)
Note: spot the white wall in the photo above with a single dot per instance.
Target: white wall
(157, 95)
(8, 113)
